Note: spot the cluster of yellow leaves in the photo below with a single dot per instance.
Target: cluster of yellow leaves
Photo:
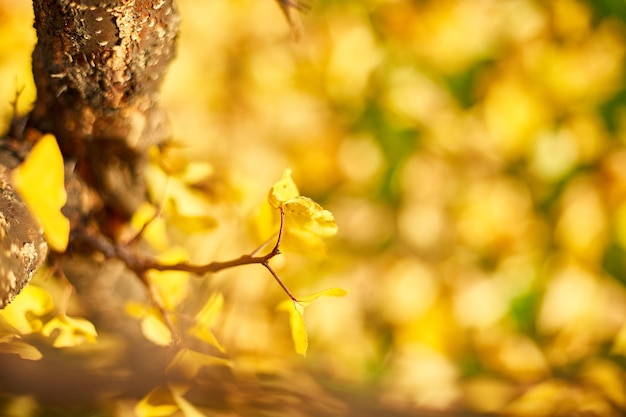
(301, 211)
(168, 399)
(309, 220)
(303, 214)
(306, 222)
(172, 184)
(40, 182)
(33, 312)
(506, 218)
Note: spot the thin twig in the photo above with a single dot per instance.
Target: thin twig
(280, 282)
(133, 240)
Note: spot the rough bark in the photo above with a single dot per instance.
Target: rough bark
(98, 66)
(22, 246)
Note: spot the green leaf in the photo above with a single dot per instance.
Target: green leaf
(283, 190)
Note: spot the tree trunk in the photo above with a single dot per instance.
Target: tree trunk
(98, 66)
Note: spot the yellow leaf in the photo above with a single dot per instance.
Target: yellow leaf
(171, 285)
(296, 316)
(330, 292)
(158, 403)
(181, 201)
(70, 331)
(156, 331)
(282, 191)
(296, 323)
(155, 232)
(310, 216)
(185, 406)
(152, 325)
(165, 400)
(263, 222)
(206, 318)
(206, 335)
(194, 172)
(25, 311)
(211, 309)
(300, 240)
(187, 363)
(8, 344)
(194, 224)
(187, 219)
(39, 180)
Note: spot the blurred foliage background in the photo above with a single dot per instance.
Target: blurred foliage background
(473, 155)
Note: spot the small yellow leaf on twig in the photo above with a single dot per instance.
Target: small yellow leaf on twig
(309, 215)
(296, 316)
(187, 363)
(296, 323)
(330, 292)
(284, 190)
(305, 220)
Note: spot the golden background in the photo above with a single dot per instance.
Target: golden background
(473, 155)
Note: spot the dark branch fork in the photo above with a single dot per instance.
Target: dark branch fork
(140, 265)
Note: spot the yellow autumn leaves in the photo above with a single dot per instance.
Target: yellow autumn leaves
(40, 181)
(306, 217)
(303, 212)
(33, 312)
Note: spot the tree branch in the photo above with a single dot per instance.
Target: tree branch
(140, 265)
